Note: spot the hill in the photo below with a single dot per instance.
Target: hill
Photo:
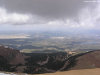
(87, 60)
(12, 60)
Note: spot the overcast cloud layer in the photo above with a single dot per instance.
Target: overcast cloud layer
(54, 14)
(45, 8)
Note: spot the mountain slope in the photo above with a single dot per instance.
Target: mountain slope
(34, 63)
(88, 60)
(13, 60)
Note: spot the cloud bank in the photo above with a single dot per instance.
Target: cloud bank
(14, 18)
(50, 14)
(51, 9)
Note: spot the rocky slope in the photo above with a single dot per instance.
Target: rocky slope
(13, 61)
(34, 63)
(10, 59)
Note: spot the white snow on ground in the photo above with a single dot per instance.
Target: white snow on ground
(7, 74)
(11, 74)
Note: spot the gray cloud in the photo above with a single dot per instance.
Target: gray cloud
(50, 14)
(51, 9)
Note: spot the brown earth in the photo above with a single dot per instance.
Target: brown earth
(13, 56)
(78, 72)
(88, 60)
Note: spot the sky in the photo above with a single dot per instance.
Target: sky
(49, 14)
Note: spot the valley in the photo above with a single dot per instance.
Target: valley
(52, 42)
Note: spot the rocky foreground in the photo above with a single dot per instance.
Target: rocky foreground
(36, 63)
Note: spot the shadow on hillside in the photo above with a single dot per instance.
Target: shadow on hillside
(44, 62)
(5, 66)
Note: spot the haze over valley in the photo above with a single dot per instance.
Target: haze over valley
(51, 41)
